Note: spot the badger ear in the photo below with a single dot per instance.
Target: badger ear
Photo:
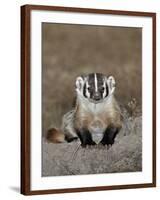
(79, 83)
(111, 84)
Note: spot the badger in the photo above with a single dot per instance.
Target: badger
(96, 117)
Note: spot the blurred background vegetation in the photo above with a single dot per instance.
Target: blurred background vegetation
(71, 50)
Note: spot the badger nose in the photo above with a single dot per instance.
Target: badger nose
(97, 97)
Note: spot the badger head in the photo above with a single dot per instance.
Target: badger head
(95, 87)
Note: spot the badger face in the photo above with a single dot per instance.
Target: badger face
(95, 87)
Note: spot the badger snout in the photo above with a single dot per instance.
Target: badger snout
(97, 96)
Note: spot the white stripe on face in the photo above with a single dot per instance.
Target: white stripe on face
(87, 93)
(96, 82)
(104, 85)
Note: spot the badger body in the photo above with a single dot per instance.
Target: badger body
(96, 117)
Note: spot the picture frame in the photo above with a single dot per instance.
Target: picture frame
(32, 17)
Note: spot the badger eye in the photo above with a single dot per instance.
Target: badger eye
(102, 89)
(89, 89)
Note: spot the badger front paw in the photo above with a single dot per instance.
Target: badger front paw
(109, 136)
(85, 137)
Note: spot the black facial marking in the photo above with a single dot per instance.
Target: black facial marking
(84, 90)
(107, 91)
(96, 87)
(101, 88)
(91, 84)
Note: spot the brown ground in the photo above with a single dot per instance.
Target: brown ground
(72, 50)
